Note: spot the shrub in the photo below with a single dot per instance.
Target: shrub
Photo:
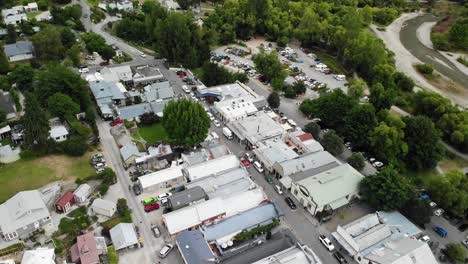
(103, 188)
(357, 161)
(425, 68)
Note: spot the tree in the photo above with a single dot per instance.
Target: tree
(213, 75)
(388, 143)
(107, 53)
(299, 88)
(359, 124)
(313, 128)
(332, 143)
(380, 97)
(455, 252)
(149, 118)
(356, 88)
(2, 116)
(122, 206)
(386, 190)
(418, 210)
(4, 64)
(274, 100)
(48, 44)
(186, 122)
(357, 161)
(74, 146)
(62, 106)
(458, 34)
(403, 82)
(67, 37)
(93, 42)
(450, 192)
(11, 34)
(22, 75)
(424, 149)
(74, 55)
(35, 123)
(270, 67)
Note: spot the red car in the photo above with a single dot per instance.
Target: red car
(116, 122)
(151, 207)
(327, 71)
(182, 75)
(245, 162)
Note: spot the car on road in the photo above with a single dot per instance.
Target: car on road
(116, 122)
(278, 189)
(245, 162)
(326, 242)
(136, 189)
(290, 203)
(150, 200)
(439, 230)
(258, 166)
(83, 69)
(185, 88)
(465, 242)
(432, 204)
(340, 258)
(249, 157)
(216, 123)
(268, 179)
(165, 250)
(425, 239)
(143, 55)
(156, 231)
(210, 115)
(439, 212)
(151, 207)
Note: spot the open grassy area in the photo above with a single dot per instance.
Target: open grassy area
(34, 173)
(151, 134)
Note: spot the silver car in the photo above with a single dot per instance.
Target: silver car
(165, 250)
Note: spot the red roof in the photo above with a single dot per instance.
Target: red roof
(305, 137)
(66, 198)
(85, 250)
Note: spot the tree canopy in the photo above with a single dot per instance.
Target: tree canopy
(450, 192)
(332, 143)
(62, 106)
(274, 100)
(48, 44)
(359, 124)
(35, 123)
(270, 67)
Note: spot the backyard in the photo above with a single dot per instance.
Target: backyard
(27, 174)
(151, 133)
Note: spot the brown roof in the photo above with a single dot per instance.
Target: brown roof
(305, 137)
(85, 250)
(66, 198)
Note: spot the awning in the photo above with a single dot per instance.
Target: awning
(339, 203)
(286, 182)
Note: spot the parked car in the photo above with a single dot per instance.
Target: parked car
(100, 170)
(465, 242)
(278, 189)
(143, 55)
(425, 239)
(136, 189)
(163, 197)
(83, 69)
(216, 123)
(165, 250)
(245, 162)
(249, 157)
(151, 207)
(348, 145)
(185, 88)
(290, 203)
(150, 200)
(116, 122)
(439, 212)
(99, 165)
(156, 231)
(340, 258)
(268, 179)
(326, 242)
(210, 115)
(432, 204)
(439, 230)
(258, 166)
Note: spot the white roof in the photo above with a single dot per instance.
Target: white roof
(299, 254)
(271, 151)
(212, 167)
(161, 176)
(403, 251)
(103, 204)
(123, 235)
(39, 256)
(5, 129)
(235, 108)
(58, 131)
(256, 128)
(82, 190)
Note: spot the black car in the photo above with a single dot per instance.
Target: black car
(290, 203)
(136, 189)
(339, 257)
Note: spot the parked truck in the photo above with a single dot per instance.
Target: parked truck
(227, 133)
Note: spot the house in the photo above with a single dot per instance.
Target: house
(133, 112)
(328, 190)
(155, 153)
(9, 154)
(256, 128)
(231, 91)
(234, 109)
(19, 51)
(186, 197)
(161, 180)
(223, 233)
(64, 204)
(58, 133)
(129, 152)
(31, 7)
(108, 92)
(14, 15)
(171, 4)
(298, 254)
(302, 142)
(270, 152)
(85, 250)
(121, 73)
(212, 151)
(211, 167)
(119, 5)
(7, 105)
(158, 91)
(194, 249)
(44, 16)
(5, 132)
(210, 211)
(304, 166)
(104, 207)
(39, 256)
(146, 74)
(383, 237)
(23, 214)
(123, 236)
(81, 193)
(225, 184)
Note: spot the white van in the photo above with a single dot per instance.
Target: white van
(227, 133)
(210, 116)
(258, 166)
(320, 67)
(340, 77)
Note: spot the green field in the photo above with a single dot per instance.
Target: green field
(152, 133)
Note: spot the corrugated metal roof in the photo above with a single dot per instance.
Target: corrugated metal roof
(194, 248)
(212, 167)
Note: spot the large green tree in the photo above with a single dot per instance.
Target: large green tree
(388, 143)
(418, 210)
(450, 192)
(22, 75)
(35, 123)
(48, 44)
(62, 106)
(4, 64)
(313, 128)
(359, 124)
(186, 122)
(332, 143)
(386, 190)
(270, 67)
(381, 97)
(356, 88)
(274, 100)
(456, 252)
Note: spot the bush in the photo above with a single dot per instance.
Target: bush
(440, 41)
(313, 128)
(74, 146)
(455, 252)
(425, 68)
(103, 188)
(357, 161)
(463, 61)
(112, 255)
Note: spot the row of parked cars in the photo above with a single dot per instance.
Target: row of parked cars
(98, 162)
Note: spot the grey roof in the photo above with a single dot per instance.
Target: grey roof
(103, 204)
(247, 220)
(129, 150)
(256, 128)
(23, 209)
(158, 91)
(18, 48)
(3, 32)
(299, 254)
(134, 111)
(307, 165)
(147, 71)
(7, 151)
(105, 92)
(403, 251)
(272, 151)
(193, 248)
(6, 102)
(123, 235)
(186, 197)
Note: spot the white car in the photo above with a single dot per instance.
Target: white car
(432, 205)
(425, 239)
(100, 170)
(439, 212)
(142, 54)
(165, 250)
(249, 157)
(278, 189)
(216, 123)
(163, 197)
(258, 166)
(185, 88)
(326, 242)
(83, 70)
(99, 165)
(210, 116)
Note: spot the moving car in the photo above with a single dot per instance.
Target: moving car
(278, 189)
(83, 69)
(290, 203)
(439, 230)
(165, 250)
(245, 162)
(268, 179)
(216, 123)
(151, 207)
(326, 242)
(340, 258)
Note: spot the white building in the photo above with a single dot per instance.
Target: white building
(161, 180)
(39, 256)
(303, 142)
(304, 166)
(123, 236)
(234, 109)
(211, 167)
(104, 207)
(58, 133)
(81, 193)
(270, 152)
(299, 254)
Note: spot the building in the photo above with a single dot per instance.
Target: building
(104, 207)
(85, 250)
(5, 132)
(194, 249)
(155, 153)
(185, 198)
(207, 212)
(304, 166)
(31, 7)
(81, 193)
(328, 190)
(212, 151)
(108, 92)
(39, 256)
(129, 152)
(19, 51)
(158, 91)
(270, 152)
(256, 128)
(302, 142)
(121, 6)
(58, 133)
(234, 109)
(64, 204)
(161, 180)
(383, 237)
(225, 184)
(299, 254)
(133, 112)
(171, 4)
(143, 75)
(23, 214)
(231, 91)
(211, 167)
(223, 233)
(123, 236)
(121, 73)
(9, 154)
(7, 105)
(14, 15)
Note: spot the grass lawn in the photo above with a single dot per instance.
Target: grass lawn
(32, 15)
(27, 174)
(152, 134)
